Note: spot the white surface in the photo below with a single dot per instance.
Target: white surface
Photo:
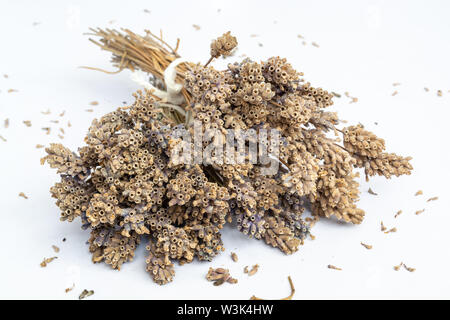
(365, 46)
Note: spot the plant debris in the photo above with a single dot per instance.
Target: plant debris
(196, 27)
(419, 211)
(85, 294)
(27, 123)
(23, 195)
(391, 230)
(46, 112)
(246, 269)
(367, 246)
(12, 90)
(47, 130)
(128, 183)
(432, 199)
(439, 93)
(372, 192)
(330, 266)
(70, 289)
(39, 146)
(399, 212)
(397, 268)
(254, 269)
(89, 110)
(383, 228)
(94, 103)
(55, 248)
(234, 257)
(418, 193)
(47, 261)
(220, 276)
(289, 297)
(62, 114)
(394, 93)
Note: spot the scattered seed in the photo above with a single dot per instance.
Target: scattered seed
(55, 248)
(70, 289)
(12, 90)
(409, 268)
(6, 123)
(439, 93)
(23, 195)
(300, 36)
(69, 124)
(399, 212)
(234, 257)
(253, 270)
(330, 266)
(246, 269)
(315, 44)
(62, 113)
(27, 123)
(367, 246)
(391, 230)
(337, 95)
(419, 211)
(85, 294)
(46, 112)
(394, 93)
(396, 268)
(372, 192)
(36, 23)
(196, 27)
(418, 193)
(62, 130)
(383, 228)
(432, 199)
(47, 129)
(47, 261)
(60, 136)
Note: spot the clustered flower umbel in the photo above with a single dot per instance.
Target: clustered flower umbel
(125, 187)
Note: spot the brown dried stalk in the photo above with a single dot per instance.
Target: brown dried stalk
(149, 53)
(289, 297)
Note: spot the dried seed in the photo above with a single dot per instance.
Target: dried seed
(147, 11)
(419, 211)
(399, 212)
(330, 266)
(70, 289)
(47, 261)
(69, 124)
(315, 44)
(418, 193)
(367, 246)
(47, 129)
(253, 270)
(62, 130)
(432, 199)
(372, 192)
(27, 123)
(396, 268)
(409, 268)
(313, 237)
(246, 269)
(383, 228)
(55, 248)
(23, 195)
(85, 294)
(391, 230)
(234, 257)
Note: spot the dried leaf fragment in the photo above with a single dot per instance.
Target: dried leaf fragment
(372, 192)
(234, 257)
(85, 294)
(330, 266)
(367, 246)
(47, 261)
(23, 195)
(432, 199)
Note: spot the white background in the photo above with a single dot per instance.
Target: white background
(365, 46)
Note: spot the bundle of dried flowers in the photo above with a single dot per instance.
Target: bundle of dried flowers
(127, 184)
